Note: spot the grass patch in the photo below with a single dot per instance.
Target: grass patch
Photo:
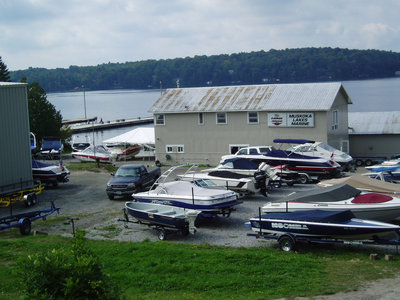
(92, 167)
(110, 231)
(166, 270)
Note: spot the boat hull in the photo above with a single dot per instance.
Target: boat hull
(157, 214)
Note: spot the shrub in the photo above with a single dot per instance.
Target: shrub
(73, 273)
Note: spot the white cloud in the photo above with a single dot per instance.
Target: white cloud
(50, 34)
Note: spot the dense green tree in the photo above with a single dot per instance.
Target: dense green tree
(4, 73)
(283, 66)
(44, 119)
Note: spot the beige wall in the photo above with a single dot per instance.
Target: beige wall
(207, 143)
(336, 137)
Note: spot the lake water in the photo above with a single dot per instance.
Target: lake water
(367, 95)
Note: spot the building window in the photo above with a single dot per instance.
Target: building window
(335, 121)
(221, 118)
(175, 148)
(160, 119)
(252, 117)
(201, 119)
(235, 148)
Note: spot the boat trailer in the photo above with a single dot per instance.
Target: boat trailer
(27, 195)
(162, 230)
(24, 221)
(287, 241)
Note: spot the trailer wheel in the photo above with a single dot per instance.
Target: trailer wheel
(25, 227)
(368, 162)
(185, 231)
(359, 162)
(161, 234)
(34, 199)
(303, 179)
(286, 243)
(28, 201)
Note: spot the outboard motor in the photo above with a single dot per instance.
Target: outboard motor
(191, 216)
(261, 178)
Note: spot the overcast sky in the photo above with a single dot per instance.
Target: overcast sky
(60, 33)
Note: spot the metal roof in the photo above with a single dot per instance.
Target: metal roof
(386, 122)
(269, 97)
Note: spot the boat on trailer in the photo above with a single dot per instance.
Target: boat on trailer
(366, 205)
(198, 195)
(321, 226)
(163, 218)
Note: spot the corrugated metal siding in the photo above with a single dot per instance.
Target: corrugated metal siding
(274, 97)
(15, 156)
(374, 122)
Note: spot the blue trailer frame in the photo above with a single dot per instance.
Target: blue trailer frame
(24, 221)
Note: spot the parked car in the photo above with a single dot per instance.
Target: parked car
(255, 150)
(129, 179)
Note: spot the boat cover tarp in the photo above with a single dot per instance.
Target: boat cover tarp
(241, 163)
(292, 141)
(228, 174)
(313, 215)
(140, 135)
(327, 194)
(287, 154)
(38, 164)
(364, 183)
(50, 143)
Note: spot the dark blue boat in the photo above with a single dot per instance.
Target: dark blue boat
(321, 224)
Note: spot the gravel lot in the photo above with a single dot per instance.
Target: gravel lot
(84, 199)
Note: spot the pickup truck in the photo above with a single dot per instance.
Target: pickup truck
(129, 179)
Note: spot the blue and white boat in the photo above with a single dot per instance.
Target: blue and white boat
(392, 165)
(321, 224)
(312, 165)
(197, 194)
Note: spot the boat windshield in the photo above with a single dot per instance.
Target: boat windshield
(327, 147)
(204, 183)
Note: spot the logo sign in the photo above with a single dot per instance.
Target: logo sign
(289, 226)
(291, 119)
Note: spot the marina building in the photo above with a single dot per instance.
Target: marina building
(199, 125)
(374, 133)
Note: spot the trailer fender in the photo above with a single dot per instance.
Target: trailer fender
(24, 226)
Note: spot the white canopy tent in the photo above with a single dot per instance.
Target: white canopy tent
(143, 136)
(140, 135)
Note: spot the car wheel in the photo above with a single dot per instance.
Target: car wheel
(111, 197)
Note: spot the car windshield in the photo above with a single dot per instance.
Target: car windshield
(127, 172)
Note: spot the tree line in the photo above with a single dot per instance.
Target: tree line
(273, 66)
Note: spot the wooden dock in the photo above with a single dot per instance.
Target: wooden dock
(111, 124)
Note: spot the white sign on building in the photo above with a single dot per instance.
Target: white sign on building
(291, 119)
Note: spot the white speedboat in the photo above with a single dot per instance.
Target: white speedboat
(190, 195)
(364, 205)
(93, 153)
(242, 183)
(320, 149)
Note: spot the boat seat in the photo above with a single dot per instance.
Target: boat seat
(151, 210)
(180, 215)
(169, 212)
